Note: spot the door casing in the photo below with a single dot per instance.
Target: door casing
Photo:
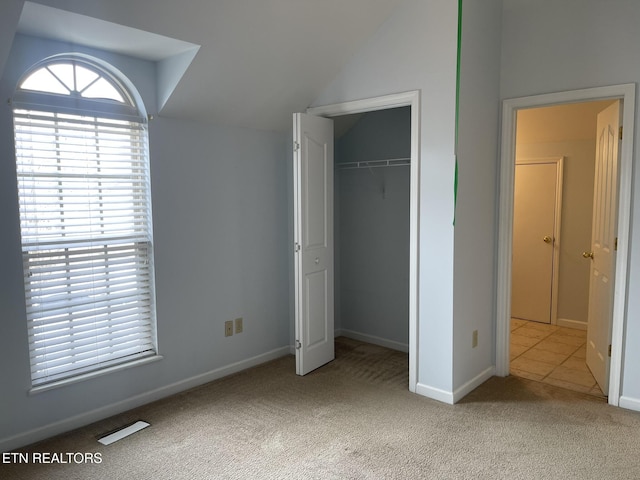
(626, 93)
(410, 99)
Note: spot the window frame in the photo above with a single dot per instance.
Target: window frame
(132, 111)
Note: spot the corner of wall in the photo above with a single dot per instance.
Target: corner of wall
(476, 217)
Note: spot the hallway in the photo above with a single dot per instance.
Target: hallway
(551, 354)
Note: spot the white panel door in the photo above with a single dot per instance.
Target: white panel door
(534, 220)
(313, 231)
(603, 239)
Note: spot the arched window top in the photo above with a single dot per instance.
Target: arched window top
(76, 82)
(70, 78)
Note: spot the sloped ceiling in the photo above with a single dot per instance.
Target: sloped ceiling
(259, 60)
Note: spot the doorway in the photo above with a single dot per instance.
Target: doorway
(548, 241)
(371, 233)
(411, 100)
(536, 236)
(510, 112)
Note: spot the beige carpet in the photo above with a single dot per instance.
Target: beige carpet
(354, 418)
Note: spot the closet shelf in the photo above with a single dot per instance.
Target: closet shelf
(392, 162)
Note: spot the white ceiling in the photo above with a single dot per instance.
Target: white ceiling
(259, 60)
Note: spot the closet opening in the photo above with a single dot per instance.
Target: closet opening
(372, 178)
(376, 147)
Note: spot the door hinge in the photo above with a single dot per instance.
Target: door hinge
(620, 132)
(615, 244)
(609, 350)
(296, 146)
(298, 345)
(297, 247)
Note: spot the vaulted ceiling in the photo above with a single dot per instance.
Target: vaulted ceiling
(258, 61)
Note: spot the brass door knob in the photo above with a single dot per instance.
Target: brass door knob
(588, 255)
(546, 239)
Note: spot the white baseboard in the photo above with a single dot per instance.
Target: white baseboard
(567, 322)
(363, 337)
(41, 433)
(630, 403)
(461, 392)
(434, 393)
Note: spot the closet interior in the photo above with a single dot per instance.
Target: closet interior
(372, 179)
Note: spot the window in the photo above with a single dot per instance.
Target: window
(85, 217)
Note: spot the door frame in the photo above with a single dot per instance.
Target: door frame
(405, 99)
(626, 93)
(557, 222)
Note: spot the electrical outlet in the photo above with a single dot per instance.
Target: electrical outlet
(474, 339)
(228, 328)
(239, 325)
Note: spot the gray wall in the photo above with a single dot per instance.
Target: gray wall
(372, 234)
(476, 220)
(220, 226)
(556, 45)
(415, 49)
(8, 21)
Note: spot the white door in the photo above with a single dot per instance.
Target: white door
(313, 232)
(603, 244)
(534, 237)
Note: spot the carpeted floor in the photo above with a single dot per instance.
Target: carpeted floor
(354, 418)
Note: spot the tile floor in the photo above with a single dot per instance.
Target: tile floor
(551, 354)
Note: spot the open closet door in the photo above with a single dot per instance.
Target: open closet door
(313, 236)
(603, 245)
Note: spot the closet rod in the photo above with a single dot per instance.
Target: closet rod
(392, 162)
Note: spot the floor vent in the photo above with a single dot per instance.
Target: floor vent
(123, 432)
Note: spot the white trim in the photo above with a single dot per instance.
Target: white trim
(434, 393)
(96, 373)
(472, 384)
(630, 403)
(67, 424)
(557, 227)
(297, 225)
(503, 303)
(383, 342)
(383, 102)
(411, 99)
(577, 324)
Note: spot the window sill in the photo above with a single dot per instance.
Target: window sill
(97, 373)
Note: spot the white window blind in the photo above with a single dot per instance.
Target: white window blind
(85, 213)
